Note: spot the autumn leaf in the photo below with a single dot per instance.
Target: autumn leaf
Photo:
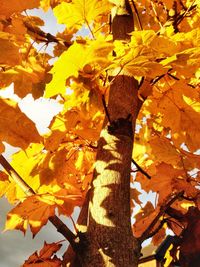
(159, 237)
(143, 218)
(166, 179)
(93, 52)
(8, 8)
(80, 12)
(45, 257)
(10, 52)
(164, 151)
(15, 127)
(36, 210)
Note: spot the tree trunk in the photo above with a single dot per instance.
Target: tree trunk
(109, 233)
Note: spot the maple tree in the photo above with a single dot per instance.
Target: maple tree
(134, 104)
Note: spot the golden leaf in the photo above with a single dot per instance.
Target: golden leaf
(94, 52)
(36, 211)
(164, 151)
(80, 12)
(15, 128)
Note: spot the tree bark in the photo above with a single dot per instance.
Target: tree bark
(109, 234)
(108, 240)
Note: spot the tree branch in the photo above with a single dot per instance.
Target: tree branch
(157, 228)
(59, 225)
(148, 232)
(140, 169)
(46, 37)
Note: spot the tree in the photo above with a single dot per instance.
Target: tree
(130, 80)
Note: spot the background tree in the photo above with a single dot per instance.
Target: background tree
(133, 78)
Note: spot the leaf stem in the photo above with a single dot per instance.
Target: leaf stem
(140, 169)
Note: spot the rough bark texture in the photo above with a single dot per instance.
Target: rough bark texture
(109, 234)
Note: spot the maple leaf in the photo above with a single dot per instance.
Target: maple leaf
(9, 51)
(46, 256)
(143, 218)
(8, 8)
(164, 177)
(15, 127)
(94, 52)
(182, 100)
(37, 209)
(164, 151)
(80, 12)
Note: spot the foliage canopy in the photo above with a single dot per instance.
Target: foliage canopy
(163, 55)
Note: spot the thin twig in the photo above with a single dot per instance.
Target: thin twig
(163, 209)
(105, 108)
(16, 177)
(137, 14)
(158, 228)
(140, 169)
(182, 16)
(156, 14)
(59, 225)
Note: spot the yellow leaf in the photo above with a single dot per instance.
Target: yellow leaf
(15, 128)
(168, 257)
(142, 37)
(95, 52)
(4, 183)
(26, 161)
(138, 61)
(80, 12)
(45, 4)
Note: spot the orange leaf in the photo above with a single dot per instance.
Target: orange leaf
(143, 219)
(159, 237)
(37, 209)
(13, 6)
(33, 211)
(45, 258)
